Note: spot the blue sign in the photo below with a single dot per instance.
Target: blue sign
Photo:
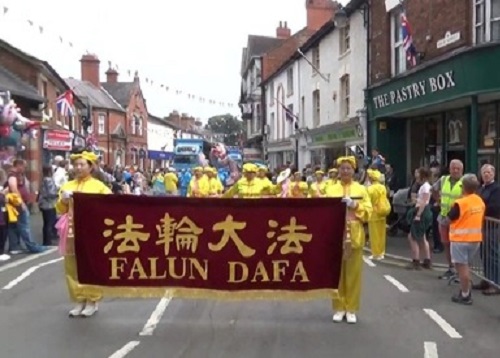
(159, 155)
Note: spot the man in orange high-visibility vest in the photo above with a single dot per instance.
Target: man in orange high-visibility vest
(466, 216)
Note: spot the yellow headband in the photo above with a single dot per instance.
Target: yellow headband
(333, 170)
(350, 159)
(374, 174)
(89, 156)
(319, 172)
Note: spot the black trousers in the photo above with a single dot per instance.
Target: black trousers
(3, 238)
(49, 222)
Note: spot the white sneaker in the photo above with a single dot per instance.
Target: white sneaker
(371, 257)
(75, 312)
(351, 318)
(4, 257)
(338, 316)
(379, 257)
(89, 310)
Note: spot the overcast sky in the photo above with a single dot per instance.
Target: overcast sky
(190, 45)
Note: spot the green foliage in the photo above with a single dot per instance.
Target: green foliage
(231, 127)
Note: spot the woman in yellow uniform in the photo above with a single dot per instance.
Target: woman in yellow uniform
(269, 189)
(317, 189)
(298, 188)
(248, 187)
(359, 209)
(381, 208)
(332, 177)
(171, 181)
(215, 187)
(198, 186)
(86, 296)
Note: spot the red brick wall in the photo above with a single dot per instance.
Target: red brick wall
(137, 105)
(429, 19)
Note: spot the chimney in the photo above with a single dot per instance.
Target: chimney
(283, 32)
(319, 12)
(90, 69)
(111, 76)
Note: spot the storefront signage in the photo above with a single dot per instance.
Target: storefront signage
(438, 83)
(58, 140)
(339, 135)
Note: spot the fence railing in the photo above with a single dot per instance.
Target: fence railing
(486, 264)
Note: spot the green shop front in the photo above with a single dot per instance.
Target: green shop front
(328, 142)
(444, 110)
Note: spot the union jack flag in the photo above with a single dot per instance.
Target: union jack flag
(65, 104)
(411, 51)
(289, 116)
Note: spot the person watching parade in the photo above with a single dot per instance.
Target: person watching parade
(198, 186)
(359, 210)
(215, 187)
(249, 186)
(298, 188)
(86, 296)
(381, 208)
(317, 188)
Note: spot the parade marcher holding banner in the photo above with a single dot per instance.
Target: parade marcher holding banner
(198, 186)
(298, 188)
(381, 208)
(215, 187)
(269, 190)
(86, 296)
(249, 186)
(359, 210)
(317, 188)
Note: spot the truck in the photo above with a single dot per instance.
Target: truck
(190, 153)
(236, 155)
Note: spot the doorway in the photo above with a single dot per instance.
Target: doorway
(456, 154)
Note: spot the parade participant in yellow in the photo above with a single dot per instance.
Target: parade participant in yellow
(249, 186)
(317, 189)
(269, 189)
(381, 208)
(86, 296)
(298, 188)
(359, 209)
(170, 180)
(332, 177)
(215, 187)
(198, 186)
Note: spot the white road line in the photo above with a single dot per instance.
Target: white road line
(26, 259)
(430, 350)
(126, 349)
(28, 273)
(445, 326)
(155, 317)
(396, 283)
(368, 262)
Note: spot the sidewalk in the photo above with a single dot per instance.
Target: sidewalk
(397, 248)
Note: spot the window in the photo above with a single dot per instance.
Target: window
(345, 39)
(302, 113)
(139, 127)
(291, 121)
(398, 50)
(486, 20)
(272, 127)
(101, 124)
(316, 109)
(345, 92)
(258, 118)
(315, 60)
(91, 127)
(289, 81)
(271, 93)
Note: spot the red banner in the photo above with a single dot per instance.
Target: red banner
(135, 246)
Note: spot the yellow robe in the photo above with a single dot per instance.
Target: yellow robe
(377, 224)
(198, 188)
(215, 186)
(349, 296)
(329, 182)
(170, 181)
(298, 189)
(317, 190)
(77, 291)
(253, 189)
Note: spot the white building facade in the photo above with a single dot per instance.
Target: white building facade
(333, 76)
(161, 137)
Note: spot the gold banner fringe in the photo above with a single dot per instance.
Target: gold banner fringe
(203, 293)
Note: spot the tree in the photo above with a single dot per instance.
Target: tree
(229, 126)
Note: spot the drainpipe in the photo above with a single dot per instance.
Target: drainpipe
(367, 21)
(263, 111)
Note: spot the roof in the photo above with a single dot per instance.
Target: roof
(16, 86)
(257, 46)
(315, 38)
(98, 97)
(120, 91)
(162, 121)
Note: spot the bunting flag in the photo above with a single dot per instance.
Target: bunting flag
(63, 41)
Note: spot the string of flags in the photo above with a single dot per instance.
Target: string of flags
(63, 41)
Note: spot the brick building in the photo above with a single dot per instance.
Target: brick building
(447, 105)
(35, 86)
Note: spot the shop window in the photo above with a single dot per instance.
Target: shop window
(399, 62)
(486, 20)
(316, 109)
(456, 135)
(488, 141)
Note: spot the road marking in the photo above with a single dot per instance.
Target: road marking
(155, 317)
(26, 259)
(430, 350)
(28, 273)
(441, 322)
(368, 262)
(396, 283)
(126, 349)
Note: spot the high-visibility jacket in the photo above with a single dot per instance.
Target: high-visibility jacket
(449, 194)
(468, 227)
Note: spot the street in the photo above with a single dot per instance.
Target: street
(404, 314)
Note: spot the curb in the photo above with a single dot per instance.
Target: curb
(403, 259)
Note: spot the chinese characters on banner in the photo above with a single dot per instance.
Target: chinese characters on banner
(209, 248)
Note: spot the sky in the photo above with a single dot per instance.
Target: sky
(193, 46)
